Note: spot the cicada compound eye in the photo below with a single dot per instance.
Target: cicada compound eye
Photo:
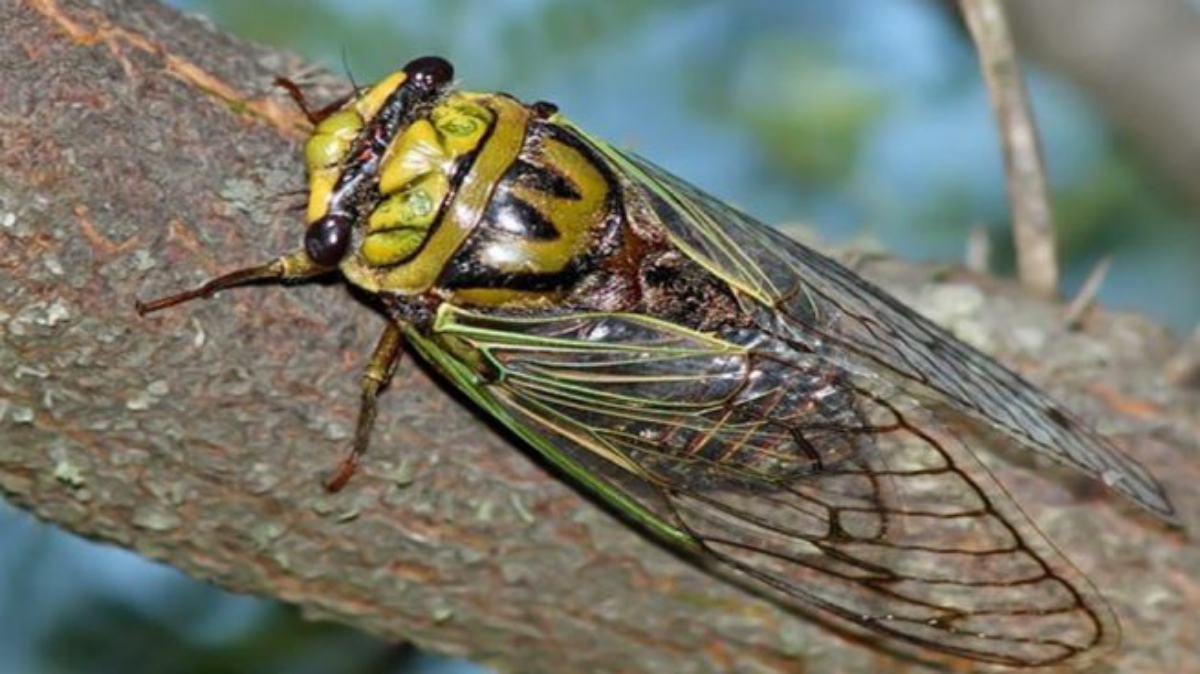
(327, 240)
(429, 72)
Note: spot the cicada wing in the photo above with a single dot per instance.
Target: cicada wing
(794, 285)
(819, 487)
(920, 544)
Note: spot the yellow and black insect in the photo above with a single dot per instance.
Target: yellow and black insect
(746, 400)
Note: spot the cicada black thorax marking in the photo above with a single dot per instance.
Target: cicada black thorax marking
(553, 216)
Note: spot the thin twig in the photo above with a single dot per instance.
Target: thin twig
(978, 255)
(1087, 294)
(1033, 220)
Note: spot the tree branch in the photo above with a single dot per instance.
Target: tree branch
(1032, 217)
(141, 152)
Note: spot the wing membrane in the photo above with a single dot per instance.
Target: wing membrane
(781, 468)
(805, 294)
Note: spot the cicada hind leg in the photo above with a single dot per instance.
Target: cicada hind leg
(379, 370)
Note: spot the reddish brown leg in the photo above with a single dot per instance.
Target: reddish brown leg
(377, 374)
(297, 95)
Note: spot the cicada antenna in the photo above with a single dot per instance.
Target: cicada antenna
(346, 68)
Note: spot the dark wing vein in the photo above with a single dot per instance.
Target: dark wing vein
(792, 474)
(811, 296)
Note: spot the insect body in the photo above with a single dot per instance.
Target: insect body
(743, 398)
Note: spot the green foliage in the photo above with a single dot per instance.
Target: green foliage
(811, 118)
(1113, 205)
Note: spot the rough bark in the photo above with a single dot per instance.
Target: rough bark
(143, 151)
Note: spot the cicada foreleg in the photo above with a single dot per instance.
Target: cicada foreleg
(377, 374)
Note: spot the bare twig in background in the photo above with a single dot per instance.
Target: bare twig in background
(1033, 220)
(978, 255)
(1086, 297)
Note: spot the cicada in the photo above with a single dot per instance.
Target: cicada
(745, 400)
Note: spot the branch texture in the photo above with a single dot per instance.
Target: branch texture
(142, 151)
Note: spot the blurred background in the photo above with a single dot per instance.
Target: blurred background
(862, 119)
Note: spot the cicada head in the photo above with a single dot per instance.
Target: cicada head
(379, 167)
(415, 186)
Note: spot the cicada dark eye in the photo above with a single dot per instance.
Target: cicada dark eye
(544, 109)
(429, 72)
(327, 240)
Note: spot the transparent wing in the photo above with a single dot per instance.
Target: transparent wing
(801, 293)
(773, 464)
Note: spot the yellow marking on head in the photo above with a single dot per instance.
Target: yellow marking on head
(320, 190)
(331, 140)
(416, 152)
(454, 128)
(323, 155)
(461, 124)
(369, 103)
(415, 206)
